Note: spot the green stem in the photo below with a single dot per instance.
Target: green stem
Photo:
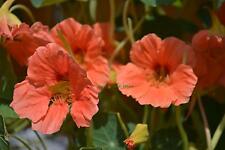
(122, 124)
(181, 128)
(123, 43)
(152, 121)
(89, 134)
(112, 18)
(146, 113)
(125, 25)
(218, 133)
(205, 122)
(41, 140)
(22, 141)
(25, 9)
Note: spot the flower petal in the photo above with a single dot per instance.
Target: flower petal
(30, 102)
(85, 107)
(48, 65)
(103, 30)
(173, 51)
(53, 119)
(98, 71)
(68, 27)
(132, 81)
(88, 42)
(183, 82)
(144, 52)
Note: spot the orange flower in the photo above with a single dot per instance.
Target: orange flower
(54, 84)
(210, 58)
(25, 40)
(86, 47)
(157, 75)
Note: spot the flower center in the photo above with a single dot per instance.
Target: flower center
(79, 55)
(61, 91)
(161, 72)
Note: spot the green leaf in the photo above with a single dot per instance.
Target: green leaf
(4, 144)
(42, 3)
(7, 76)
(7, 112)
(107, 133)
(154, 3)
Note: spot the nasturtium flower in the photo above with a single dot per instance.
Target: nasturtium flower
(157, 74)
(25, 40)
(86, 47)
(209, 49)
(55, 85)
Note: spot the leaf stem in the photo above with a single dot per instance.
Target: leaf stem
(22, 141)
(123, 43)
(25, 9)
(112, 18)
(205, 122)
(125, 22)
(146, 114)
(122, 124)
(218, 133)
(41, 140)
(181, 128)
(89, 134)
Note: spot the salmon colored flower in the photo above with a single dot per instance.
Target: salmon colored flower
(86, 47)
(157, 75)
(54, 86)
(25, 40)
(210, 58)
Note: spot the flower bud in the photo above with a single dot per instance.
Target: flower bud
(139, 135)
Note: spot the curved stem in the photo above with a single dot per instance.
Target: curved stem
(123, 43)
(25, 9)
(123, 126)
(218, 133)
(89, 135)
(146, 113)
(22, 141)
(125, 25)
(181, 128)
(41, 140)
(205, 122)
(112, 18)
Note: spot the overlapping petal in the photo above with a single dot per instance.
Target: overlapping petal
(53, 119)
(30, 102)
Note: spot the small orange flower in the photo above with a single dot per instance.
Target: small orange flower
(87, 49)
(25, 40)
(54, 85)
(157, 75)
